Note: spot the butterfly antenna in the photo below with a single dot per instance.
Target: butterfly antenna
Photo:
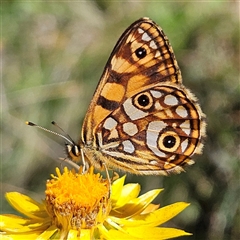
(68, 138)
(55, 124)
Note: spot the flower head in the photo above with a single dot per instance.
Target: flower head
(77, 201)
(80, 206)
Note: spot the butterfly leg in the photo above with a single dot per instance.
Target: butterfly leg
(108, 178)
(84, 162)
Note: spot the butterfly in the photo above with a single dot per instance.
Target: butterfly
(141, 118)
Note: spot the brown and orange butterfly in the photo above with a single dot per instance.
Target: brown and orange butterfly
(141, 118)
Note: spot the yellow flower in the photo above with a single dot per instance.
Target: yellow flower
(84, 206)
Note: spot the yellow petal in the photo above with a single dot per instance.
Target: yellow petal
(136, 205)
(27, 236)
(117, 189)
(114, 221)
(163, 214)
(151, 233)
(48, 233)
(117, 235)
(26, 205)
(152, 219)
(128, 193)
(104, 233)
(13, 223)
(86, 234)
(73, 234)
(150, 208)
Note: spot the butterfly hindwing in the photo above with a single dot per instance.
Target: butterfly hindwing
(157, 129)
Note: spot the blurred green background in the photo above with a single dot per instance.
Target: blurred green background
(53, 56)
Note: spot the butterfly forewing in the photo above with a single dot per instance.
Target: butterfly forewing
(141, 118)
(145, 51)
(127, 70)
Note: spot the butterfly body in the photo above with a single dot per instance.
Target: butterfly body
(141, 118)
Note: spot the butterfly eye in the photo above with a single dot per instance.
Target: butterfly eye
(169, 141)
(141, 52)
(143, 101)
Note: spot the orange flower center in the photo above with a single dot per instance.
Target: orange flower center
(76, 200)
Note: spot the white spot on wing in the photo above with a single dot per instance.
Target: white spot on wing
(152, 137)
(184, 145)
(185, 126)
(110, 123)
(170, 100)
(181, 111)
(140, 30)
(156, 94)
(157, 54)
(146, 37)
(132, 112)
(130, 128)
(128, 146)
(157, 126)
(153, 162)
(153, 45)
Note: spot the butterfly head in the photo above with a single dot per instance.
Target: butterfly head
(73, 151)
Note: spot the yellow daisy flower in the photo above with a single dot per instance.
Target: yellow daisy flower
(84, 206)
